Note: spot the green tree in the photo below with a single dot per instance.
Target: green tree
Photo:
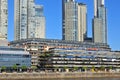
(14, 67)
(56, 68)
(24, 68)
(34, 68)
(93, 68)
(65, 68)
(3, 68)
(102, 68)
(75, 68)
(84, 68)
(110, 67)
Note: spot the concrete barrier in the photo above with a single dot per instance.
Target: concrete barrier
(35, 76)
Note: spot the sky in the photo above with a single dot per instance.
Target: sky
(53, 14)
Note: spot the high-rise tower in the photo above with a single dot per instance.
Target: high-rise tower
(20, 19)
(39, 22)
(99, 22)
(97, 4)
(82, 22)
(73, 20)
(4, 18)
(26, 20)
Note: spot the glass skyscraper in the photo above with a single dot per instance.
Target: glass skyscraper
(99, 22)
(26, 20)
(3, 18)
(73, 20)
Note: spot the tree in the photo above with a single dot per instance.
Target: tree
(14, 67)
(110, 68)
(56, 68)
(102, 68)
(34, 68)
(24, 68)
(85, 68)
(65, 68)
(75, 68)
(3, 68)
(93, 68)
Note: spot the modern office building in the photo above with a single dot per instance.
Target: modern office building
(37, 46)
(73, 20)
(99, 22)
(14, 56)
(60, 43)
(54, 54)
(4, 18)
(29, 20)
(64, 59)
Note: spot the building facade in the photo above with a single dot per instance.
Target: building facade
(82, 22)
(27, 16)
(14, 56)
(39, 21)
(37, 46)
(97, 30)
(4, 18)
(99, 22)
(73, 20)
(20, 19)
(97, 4)
(3, 43)
(54, 54)
(78, 59)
